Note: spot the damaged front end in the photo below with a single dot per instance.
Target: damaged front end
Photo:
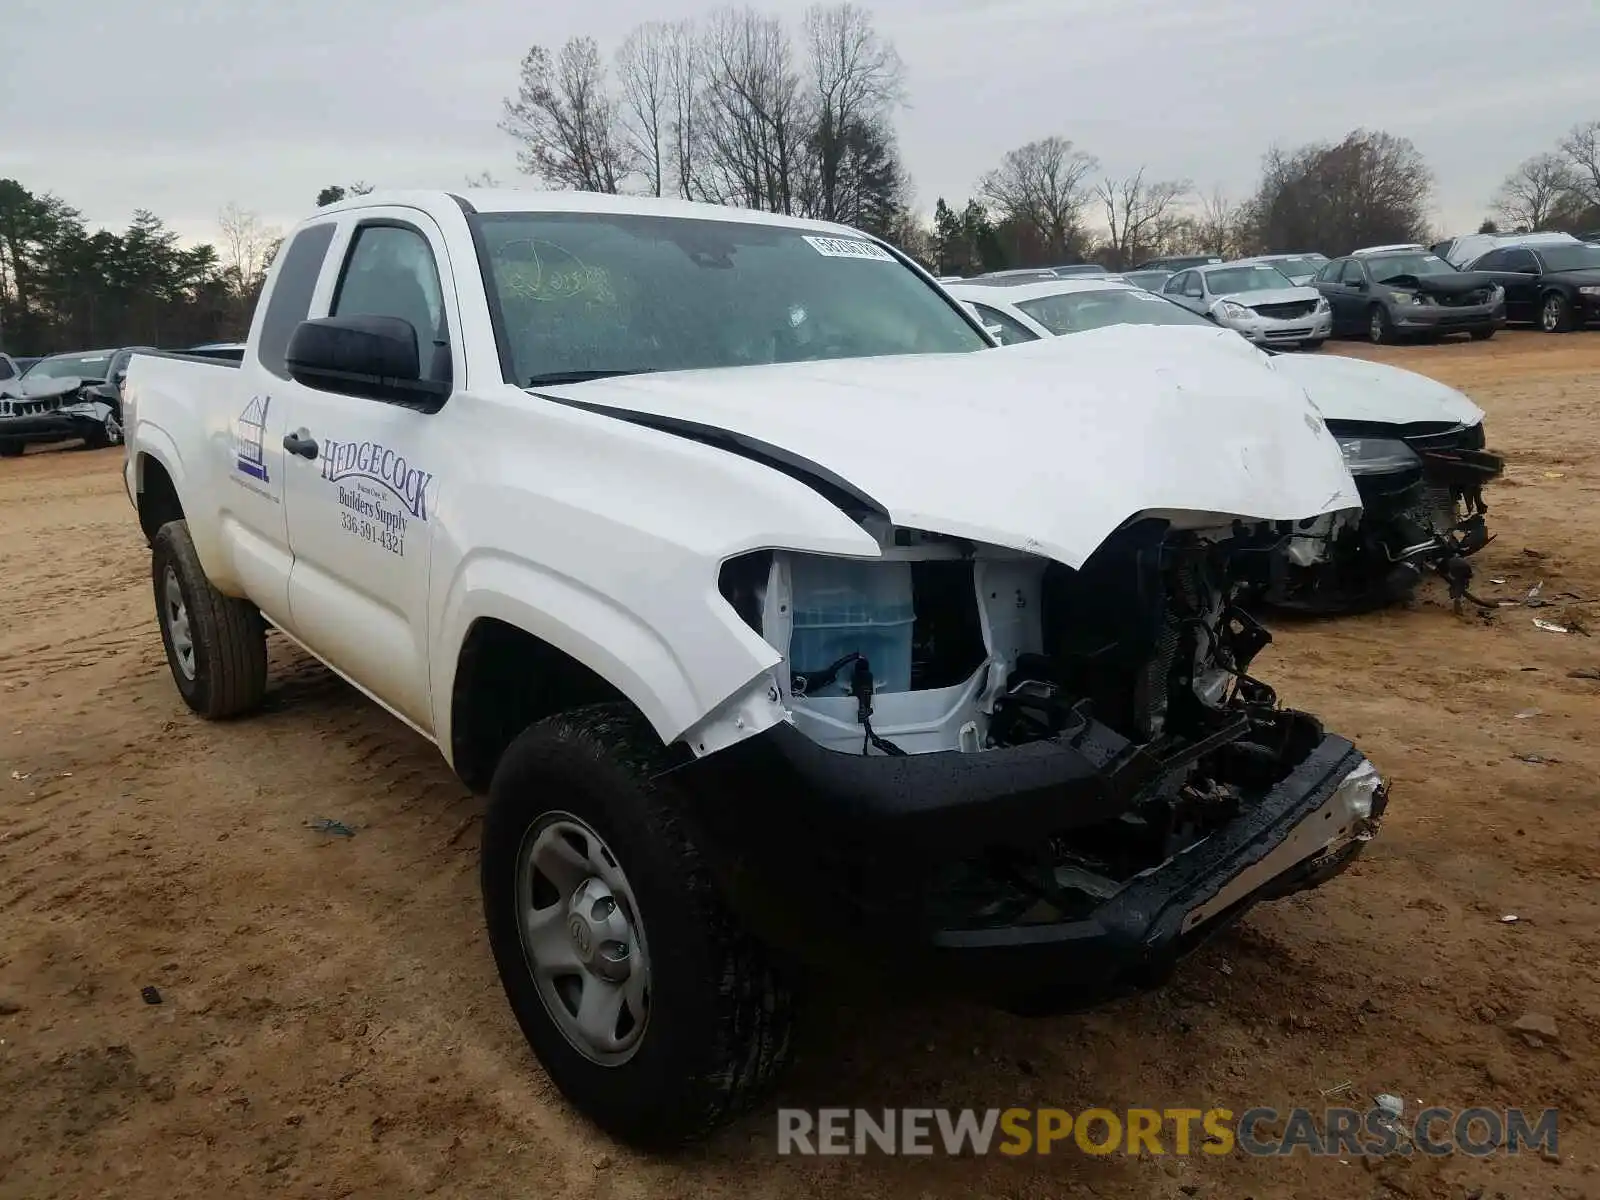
(1423, 512)
(1047, 783)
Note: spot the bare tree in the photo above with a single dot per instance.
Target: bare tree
(567, 120)
(1535, 191)
(1220, 227)
(1040, 187)
(1135, 210)
(752, 118)
(1371, 187)
(247, 249)
(644, 69)
(856, 77)
(685, 78)
(1582, 150)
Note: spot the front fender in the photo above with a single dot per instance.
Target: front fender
(647, 665)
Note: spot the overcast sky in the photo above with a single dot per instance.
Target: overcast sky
(180, 107)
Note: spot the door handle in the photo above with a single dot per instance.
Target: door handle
(300, 442)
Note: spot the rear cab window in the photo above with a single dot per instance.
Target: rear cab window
(289, 302)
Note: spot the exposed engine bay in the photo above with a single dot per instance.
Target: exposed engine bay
(1139, 661)
(1423, 512)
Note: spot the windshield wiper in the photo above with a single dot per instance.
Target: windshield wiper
(552, 378)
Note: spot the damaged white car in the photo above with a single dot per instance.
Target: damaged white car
(1416, 447)
(779, 625)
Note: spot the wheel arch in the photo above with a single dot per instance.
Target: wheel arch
(157, 498)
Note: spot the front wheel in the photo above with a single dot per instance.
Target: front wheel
(12, 449)
(1379, 330)
(109, 434)
(1555, 314)
(216, 645)
(1481, 335)
(1312, 344)
(648, 1007)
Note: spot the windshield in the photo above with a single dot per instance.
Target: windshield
(1150, 280)
(1257, 278)
(71, 366)
(1570, 258)
(1300, 264)
(589, 294)
(1074, 312)
(1388, 266)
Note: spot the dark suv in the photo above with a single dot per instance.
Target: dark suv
(1392, 294)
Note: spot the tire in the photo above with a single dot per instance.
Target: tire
(109, 434)
(1379, 329)
(13, 449)
(1313, 344)
(716, 1017)
(1555, 313)
(216, 645)
(1480, 335)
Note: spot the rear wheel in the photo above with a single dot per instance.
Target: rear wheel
(216, 645)
(650, 1009)
(1379, 329)
(1555, 313)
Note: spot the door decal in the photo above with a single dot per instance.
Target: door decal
(249, 436)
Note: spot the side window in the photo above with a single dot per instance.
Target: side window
(8, 369)
(1495, 260)
(1330, 272)
(1353, 272)
(1521, 261)
(1194, 285)
(1174, 286)
(391, 273)
(1007, 330)
(290, 301)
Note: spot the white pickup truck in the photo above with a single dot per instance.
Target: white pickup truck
(779, 626)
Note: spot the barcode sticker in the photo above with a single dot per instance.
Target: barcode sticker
(848, 248)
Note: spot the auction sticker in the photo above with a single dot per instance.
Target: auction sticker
(848, 248)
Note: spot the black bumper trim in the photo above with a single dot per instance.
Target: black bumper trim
(829, 857)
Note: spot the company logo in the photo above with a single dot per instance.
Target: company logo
(249, 434)
(379, 464)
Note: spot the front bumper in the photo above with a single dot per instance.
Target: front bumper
(1314, 326)
(844, 859)
(47, 427)
(1445, 318)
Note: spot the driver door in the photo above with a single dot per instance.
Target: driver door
(360, 492)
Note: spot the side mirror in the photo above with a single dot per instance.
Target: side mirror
(1360, 285)
(369, 356)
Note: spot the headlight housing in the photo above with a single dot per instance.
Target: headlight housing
(1407, 298)
(1322, 304)
(1377, 456)
(1590, 291)
(1233, 312)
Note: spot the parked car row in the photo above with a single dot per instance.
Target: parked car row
(1474, 285)
(970, 618)
(64, 397)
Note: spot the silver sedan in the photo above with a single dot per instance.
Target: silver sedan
(1255, 299)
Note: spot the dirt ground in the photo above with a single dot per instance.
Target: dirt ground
(330, 1023)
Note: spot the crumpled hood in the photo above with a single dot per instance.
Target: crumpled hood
(42, 388)
(1046, 447)
(1353, 389)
